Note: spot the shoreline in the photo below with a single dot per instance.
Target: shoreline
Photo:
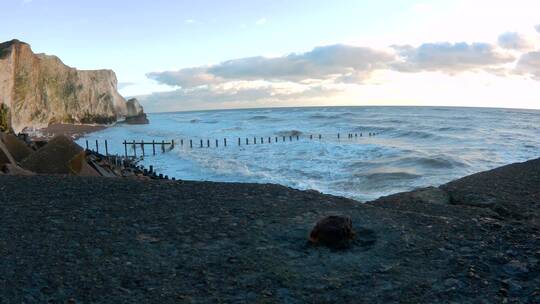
(475, 238)
(74, 131)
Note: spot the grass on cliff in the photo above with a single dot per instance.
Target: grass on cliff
(4, 118)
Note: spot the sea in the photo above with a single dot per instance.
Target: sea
(409, 147)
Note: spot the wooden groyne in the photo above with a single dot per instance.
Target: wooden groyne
(142, 148)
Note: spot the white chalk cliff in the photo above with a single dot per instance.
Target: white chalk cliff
(37, 90)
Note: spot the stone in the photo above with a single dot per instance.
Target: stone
(79, 166)
(18, 149)
(516, 268)
(11, 169)
(135, 113)
(5, 156)
(333, 231)
(53, 158)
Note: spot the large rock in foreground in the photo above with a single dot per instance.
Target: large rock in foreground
(54, 158)
(37, 89)
(332, 231)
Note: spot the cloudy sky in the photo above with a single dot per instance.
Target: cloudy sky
(185, 55)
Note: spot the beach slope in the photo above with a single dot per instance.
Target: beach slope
(126, 241)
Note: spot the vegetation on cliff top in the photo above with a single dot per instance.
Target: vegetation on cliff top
(4, 118)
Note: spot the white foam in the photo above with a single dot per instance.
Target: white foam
(415, 146)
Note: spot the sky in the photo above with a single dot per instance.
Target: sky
(190, 55)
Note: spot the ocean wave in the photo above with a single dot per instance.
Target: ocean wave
(289, 133)
(390, 176)
(231, 129)
(372, 128)
(330, 116)
(259, 117)
(418, 134)
(438, 162)
(323, 116)
(453, 129)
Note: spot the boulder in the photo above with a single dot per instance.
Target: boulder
(11, 169)
(333, 231)
(53, 158)
(79, 166)
(5, 156)
(18, 149)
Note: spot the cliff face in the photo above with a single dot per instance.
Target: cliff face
(38, 89)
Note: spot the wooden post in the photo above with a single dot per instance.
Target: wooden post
(172, 144)
(239, 141)
(310, 136)
(297, 137)
(142, 147)
(201, 143)
(208, 143)
(153, 147)
(276, 139)
(283, 138)
(216, 143)
(87, 144)
(125, 148)
(254, 140)
(163, 146)
(225, 142)
(106, 148)
(320, 136)
(247, 141)
(191, 143)
(262, 140)
(290, 138)
(181, 142)
(134, 149)
(269, 140)
(151, 169)
(338, 136)
(97, 146)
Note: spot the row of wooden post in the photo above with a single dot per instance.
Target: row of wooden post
(261, 140)
(97, 147)
(142, 144)
(202, 143)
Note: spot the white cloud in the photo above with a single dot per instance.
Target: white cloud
(235, 94)
(261, 21)
(515, 41)
(529, 64)
(451, 58)
(328, 62)
(537, 28)
(351, 73)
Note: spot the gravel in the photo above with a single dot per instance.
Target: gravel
(111, 240)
